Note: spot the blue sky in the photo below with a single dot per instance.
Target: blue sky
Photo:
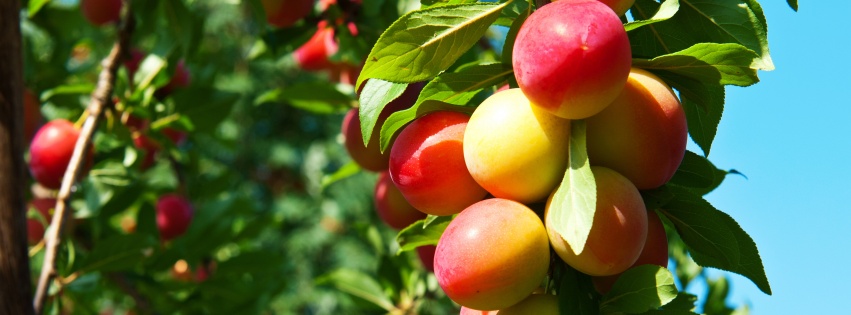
(791, 135)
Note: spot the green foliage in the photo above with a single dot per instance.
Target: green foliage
(640, 289)
(575, 201)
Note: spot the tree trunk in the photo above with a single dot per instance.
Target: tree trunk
(15, 287)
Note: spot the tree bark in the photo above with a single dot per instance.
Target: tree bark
(15, 287)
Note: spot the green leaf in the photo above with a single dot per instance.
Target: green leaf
(702, 21)
(421, 44)
(575, 292)
(346, 171)
(206, 106)
(666, 10)
(314, 97)
(425, 4)
(709, 63)
(460, 87)
(398, 120)
(698, 174)
(421, 233)
(36, 5)
(185, 27)
(683, 302)
(81, 88)
(575, 200)
(119, 252)
(640, 289)
(507, 50)
(713, 238)
(703, 105)
(514, 10)
(376, 94)
(358, 284)
(793, 4)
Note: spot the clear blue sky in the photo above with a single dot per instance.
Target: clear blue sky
(791, 135)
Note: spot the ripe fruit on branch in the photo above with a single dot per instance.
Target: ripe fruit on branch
(313, 55)
(642, 134)
(174, 213)
(427, 164)
(51, 150)
(369, 157)
(516, 150)
(391, 206)
(492, 255)
(285, 13)
(572, 57)
(618, 231)
(655, 252)
(100, 12)
(35, 227)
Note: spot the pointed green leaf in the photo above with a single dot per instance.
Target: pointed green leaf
(698, 174)
(640, 289)
(459, 87)
(709, 63)
(575, 201)
(793, 4)
(375, 95)
(419, 234)
(358, 284)
(666, 10)
(702, 21)
(713, 238)
(423, 43)
(425, 4)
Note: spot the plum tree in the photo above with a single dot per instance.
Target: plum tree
(492, 255)
(35, 227)
(427, 164)
(524, 159)
(133, 61)
(587, 52)
(369, 157)
(655, 252)
(51, 150)
(618, 231)
(174, 213)
(313, 55)
(285, 13)
(642, 134)
(100, 12)
(391, 206)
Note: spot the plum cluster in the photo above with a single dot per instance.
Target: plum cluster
(572, 61)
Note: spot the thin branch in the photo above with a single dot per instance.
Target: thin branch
(100, 98)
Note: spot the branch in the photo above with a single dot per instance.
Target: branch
(100, 98)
